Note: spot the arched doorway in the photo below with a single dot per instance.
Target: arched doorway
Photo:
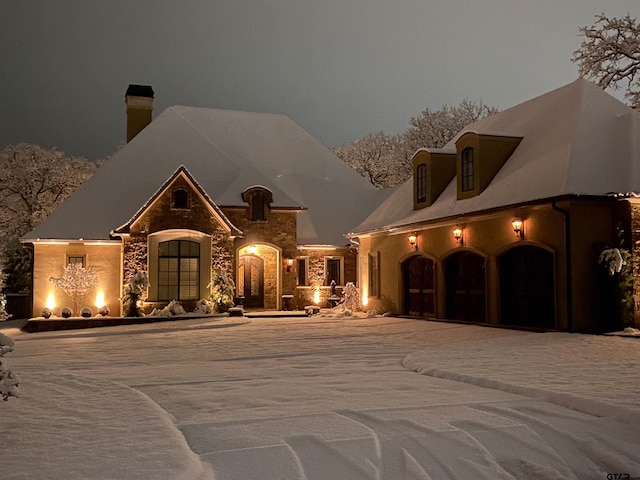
(419, 281)
(465, 287)
(527, 287)
(251, 280)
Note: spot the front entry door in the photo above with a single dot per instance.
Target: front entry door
(251, 279)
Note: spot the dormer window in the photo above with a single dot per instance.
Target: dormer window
(180, 199)
(421, 183)
(467, 169)
(258, 199)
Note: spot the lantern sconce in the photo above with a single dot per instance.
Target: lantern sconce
(413, 241)
(518, 227)
(289, 262)
(253, 249)
(457, 234)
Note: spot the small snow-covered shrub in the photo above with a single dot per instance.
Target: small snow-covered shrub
(351, 295)
(132, 294)
(9, 381)
(104, 311)
(204, 307)
(86, 312)
(174, 308)
(66, 312)
(46, 313)
(612, 260)
(4, 315)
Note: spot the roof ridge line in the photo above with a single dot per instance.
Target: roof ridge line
(205, 137)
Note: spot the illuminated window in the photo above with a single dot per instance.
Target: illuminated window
(178, 270)
(467, 169)
(421, 183)
(76, 259)
(180, 199)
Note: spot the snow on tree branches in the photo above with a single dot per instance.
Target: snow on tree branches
(133, 292)
(222, 289)
(386, 160)
(76, 282)
(612, 260)
(4, 315)
(9, 380)
(610, 54)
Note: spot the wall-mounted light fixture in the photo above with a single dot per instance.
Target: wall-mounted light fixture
(289, 263)
(413, 240)
(253, 249)
(518, 227)
(457, 234)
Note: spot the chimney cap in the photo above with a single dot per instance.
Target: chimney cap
(139, 91)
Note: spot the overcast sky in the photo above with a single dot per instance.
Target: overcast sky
(339, 68)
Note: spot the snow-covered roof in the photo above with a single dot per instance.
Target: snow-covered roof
(226, 152)
(576, 140)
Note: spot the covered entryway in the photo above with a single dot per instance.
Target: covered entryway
(251, 280)
(465, 287)
(527, 287)
(419, 282)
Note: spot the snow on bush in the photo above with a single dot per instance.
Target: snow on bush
(76, 282)
(4, 315)
(222, 289)
(611, 259)
(204, 307)
(351, 295)
(9, 380)
(132, 294)
(174, 308)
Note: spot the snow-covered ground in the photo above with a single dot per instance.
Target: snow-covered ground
(320, 398)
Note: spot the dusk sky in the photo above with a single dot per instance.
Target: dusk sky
(339, 68)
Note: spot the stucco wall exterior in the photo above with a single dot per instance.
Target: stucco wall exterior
(50, 260)
(592, 225)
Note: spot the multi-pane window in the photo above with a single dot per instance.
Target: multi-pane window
(75, 259)
(374, 275)
(178, 270)
(302, 278)
(467, 169)
(180, 199)
(333, 270)
(421, 183)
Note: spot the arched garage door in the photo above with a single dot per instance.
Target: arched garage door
(527, 289)
(465, 287)
(419, 287)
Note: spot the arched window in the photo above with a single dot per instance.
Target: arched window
(421, 183)
(180, 199)
(178, 270)
(467, 169)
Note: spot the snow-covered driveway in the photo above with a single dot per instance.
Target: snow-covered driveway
(321, 398)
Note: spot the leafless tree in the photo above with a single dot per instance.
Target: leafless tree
(378, 157)
(610, 55)
(386, 160)
(33, 181)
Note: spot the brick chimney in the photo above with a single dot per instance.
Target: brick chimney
(139, 101)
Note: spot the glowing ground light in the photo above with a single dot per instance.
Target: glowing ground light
(316, 295)
(100, 299)
(51, 301)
